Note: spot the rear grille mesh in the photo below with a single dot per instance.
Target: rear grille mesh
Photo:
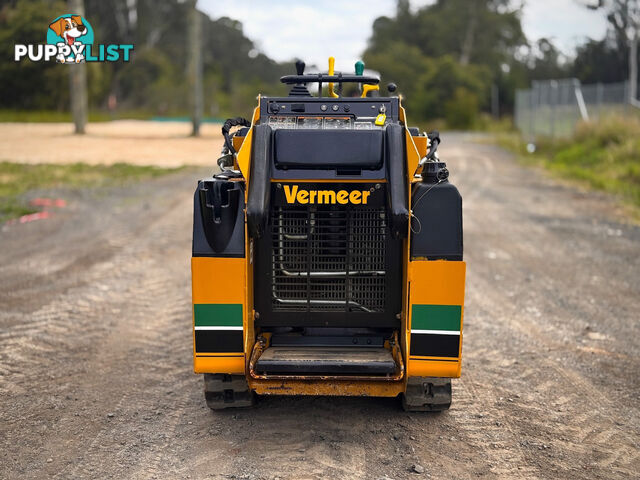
(328, 258)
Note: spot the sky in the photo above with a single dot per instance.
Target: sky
(316, 29)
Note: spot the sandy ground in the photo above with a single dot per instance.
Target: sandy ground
(95, 349)
(165, 144)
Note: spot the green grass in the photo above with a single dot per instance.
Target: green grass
(603, 156)
(50, 116)
(17, 178)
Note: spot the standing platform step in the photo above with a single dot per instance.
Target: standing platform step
(323, 360)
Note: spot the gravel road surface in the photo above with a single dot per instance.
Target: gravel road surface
(95, 348)
(139, 142)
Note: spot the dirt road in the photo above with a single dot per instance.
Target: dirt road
(95, 349)
(163, 144)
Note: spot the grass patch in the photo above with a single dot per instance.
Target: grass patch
(18, 178)
(603, 156)
(52, 116)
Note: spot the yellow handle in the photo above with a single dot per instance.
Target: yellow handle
(368, 88)
(332, 62)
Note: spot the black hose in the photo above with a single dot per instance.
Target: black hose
(228, 125)
(434, 141)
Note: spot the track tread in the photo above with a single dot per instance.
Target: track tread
(223, 391)
(427, 394)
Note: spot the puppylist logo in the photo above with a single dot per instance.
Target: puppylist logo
(70, 40)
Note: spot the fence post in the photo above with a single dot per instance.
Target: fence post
(580, 99)
(532, 113)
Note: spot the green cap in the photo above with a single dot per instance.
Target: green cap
(359, 67)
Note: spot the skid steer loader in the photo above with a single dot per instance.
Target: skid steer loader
(327, 253)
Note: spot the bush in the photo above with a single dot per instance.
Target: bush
(603, 155)
(462, 109)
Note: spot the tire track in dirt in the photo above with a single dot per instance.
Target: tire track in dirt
(588, 426)
(549, 387)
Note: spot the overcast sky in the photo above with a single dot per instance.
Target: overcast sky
(316, 29)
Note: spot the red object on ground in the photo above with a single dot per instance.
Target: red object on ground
(40, 202)
(48, 202)
(30, 217)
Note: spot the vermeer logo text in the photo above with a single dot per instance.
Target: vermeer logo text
(294, 194)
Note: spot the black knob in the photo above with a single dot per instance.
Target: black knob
(300, 67)
(392, 87)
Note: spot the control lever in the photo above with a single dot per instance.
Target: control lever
(332, 62)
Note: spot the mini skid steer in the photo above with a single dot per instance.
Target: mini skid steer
(327, 253)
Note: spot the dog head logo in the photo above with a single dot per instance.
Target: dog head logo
(70, 33)
(70, 40)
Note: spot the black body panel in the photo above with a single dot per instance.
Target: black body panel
(326, 360)
(222, 341)
(259, 186)
(218, 219)
(340, 149)
(435, 345)
(437, 228)
(352, 106)
(358, 111)
(397, 177)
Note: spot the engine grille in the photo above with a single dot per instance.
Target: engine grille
(328, 258)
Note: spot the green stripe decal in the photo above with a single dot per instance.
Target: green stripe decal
(217, 314)
(436, 317)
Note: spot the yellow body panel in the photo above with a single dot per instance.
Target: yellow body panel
(438, 282)
(435, 282)
(328, 387)
(211, 280)
(231, 364)
(421, 145)
(243, 158)
(433, 367)
(210, 284)
(237, 142)
(249, 315)
(413, 154)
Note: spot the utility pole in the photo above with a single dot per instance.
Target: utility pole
(495, 101)
(78, 81)
(633, 65)
(195, 68)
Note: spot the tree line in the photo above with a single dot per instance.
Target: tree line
(154, 82)
(450, 59)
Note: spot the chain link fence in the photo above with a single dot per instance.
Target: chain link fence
(554, 107)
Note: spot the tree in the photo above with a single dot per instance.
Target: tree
(26, 84)
(546, 61)
(452, 48)
(624, 18)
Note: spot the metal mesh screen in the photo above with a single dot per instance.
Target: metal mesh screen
(328, 258)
